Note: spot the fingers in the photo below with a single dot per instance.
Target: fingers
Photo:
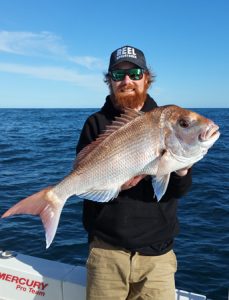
(132, 182)
(184, 171)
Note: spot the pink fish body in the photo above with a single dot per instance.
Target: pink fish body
(155, 143)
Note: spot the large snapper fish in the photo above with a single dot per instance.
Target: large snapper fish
(156, 143)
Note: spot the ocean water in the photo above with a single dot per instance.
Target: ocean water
(37, 149)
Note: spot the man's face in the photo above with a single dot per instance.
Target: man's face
(129, 93)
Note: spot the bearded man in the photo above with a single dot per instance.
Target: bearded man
(131, 237)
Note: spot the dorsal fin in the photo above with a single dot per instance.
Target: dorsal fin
(125, 118)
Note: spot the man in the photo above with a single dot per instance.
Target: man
(131, 237)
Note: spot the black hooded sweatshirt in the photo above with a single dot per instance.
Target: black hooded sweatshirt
(134, 220)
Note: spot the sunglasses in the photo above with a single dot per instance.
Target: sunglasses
(134, 74)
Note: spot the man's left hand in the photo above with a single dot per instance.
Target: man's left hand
(183, 172)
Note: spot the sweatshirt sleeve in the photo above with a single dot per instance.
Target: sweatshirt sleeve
(88, 134)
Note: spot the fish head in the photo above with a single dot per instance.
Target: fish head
(188, 135)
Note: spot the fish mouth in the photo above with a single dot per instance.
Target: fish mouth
(211, 133)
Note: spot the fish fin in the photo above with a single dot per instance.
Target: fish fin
(125, 118)
(170, 162)
(151, 168)
(160, 185)
(45, 204)
(100, 195)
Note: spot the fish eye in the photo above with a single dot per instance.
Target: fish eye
(183, 123)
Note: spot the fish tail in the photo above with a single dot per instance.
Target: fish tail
(47, 205)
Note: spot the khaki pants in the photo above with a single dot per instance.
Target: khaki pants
(116, 274)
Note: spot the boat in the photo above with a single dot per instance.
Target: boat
(24, 277)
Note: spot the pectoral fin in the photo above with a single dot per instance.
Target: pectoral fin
(169, 162)
(160, 185)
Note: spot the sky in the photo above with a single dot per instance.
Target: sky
(54, 53)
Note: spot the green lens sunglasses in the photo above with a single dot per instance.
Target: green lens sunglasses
(134, 74)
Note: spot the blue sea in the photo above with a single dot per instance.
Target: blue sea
(37, 149)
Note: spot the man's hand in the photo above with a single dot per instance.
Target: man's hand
(184, 171)
(135, 180)
(132, 182)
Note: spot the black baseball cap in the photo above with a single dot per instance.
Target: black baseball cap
(130, 54)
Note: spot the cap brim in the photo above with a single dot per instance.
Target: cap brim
(131, 60)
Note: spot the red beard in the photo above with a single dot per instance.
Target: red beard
(129, 101)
